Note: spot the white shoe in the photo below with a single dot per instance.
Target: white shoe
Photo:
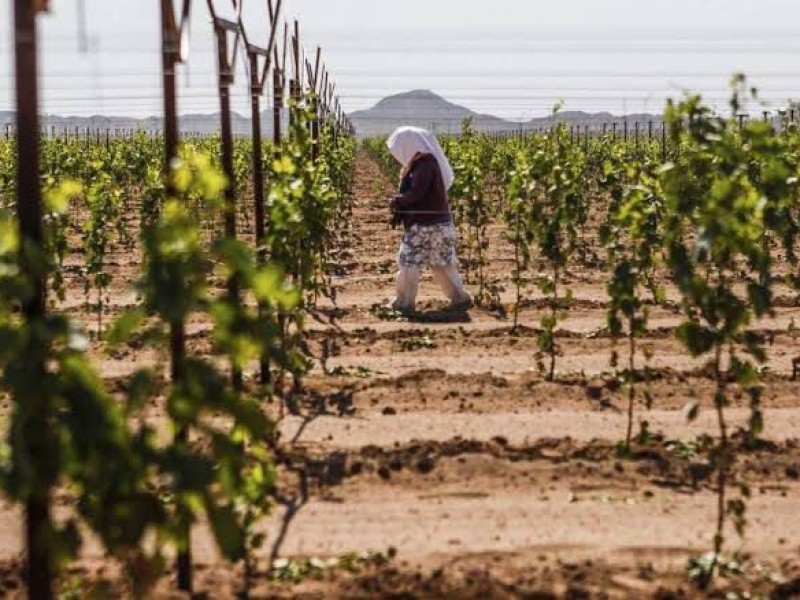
(397, 306)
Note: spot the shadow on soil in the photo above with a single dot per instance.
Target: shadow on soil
(439, 316)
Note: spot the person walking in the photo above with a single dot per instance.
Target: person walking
(421, 205)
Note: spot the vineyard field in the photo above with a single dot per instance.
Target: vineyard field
(437, 438)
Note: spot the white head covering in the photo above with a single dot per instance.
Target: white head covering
(406, 142)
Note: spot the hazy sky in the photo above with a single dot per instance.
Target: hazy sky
(514, 58)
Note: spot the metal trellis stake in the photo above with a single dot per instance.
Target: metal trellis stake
(279, 85)
(226, 60)
(39, 570)
(258, 79)
(174, 42)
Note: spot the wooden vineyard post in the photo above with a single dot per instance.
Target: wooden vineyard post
(313, 81)
(586, 138)
(325, 97)
(277, 103)
(173, 36)
(280, 81)
(39, 557)
(279, 85)
(767, 120)
(334, 115)
(297, 79)
(258, 78)
(226, 60)
(294, 85)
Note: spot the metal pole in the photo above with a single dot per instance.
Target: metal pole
(225, 80)
(258, 152)
(325, 95)
(257, 81)
(277, 91)
(170, 56)
(279, 84)
(315, 106)
(297, 55)
(39, 571)
(295, 89)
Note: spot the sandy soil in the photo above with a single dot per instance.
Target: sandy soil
(439, 440)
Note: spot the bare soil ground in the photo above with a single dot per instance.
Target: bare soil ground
(436, 445)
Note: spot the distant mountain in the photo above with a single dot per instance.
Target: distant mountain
(189, 123)
(423, 108)
(420, 108)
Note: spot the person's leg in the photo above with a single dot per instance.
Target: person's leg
(407, 288)
(449, 280)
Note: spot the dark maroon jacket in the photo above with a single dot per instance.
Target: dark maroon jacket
(422, 199)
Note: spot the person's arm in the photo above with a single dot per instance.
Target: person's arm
(421, 181)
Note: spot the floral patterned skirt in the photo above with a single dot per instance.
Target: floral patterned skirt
(429, 246)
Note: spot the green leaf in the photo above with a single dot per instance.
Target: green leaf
(57, 199)
(142, 387)
(124, 327)
(227, 532)
(760, 297)
(697, 339)
(743, 372)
